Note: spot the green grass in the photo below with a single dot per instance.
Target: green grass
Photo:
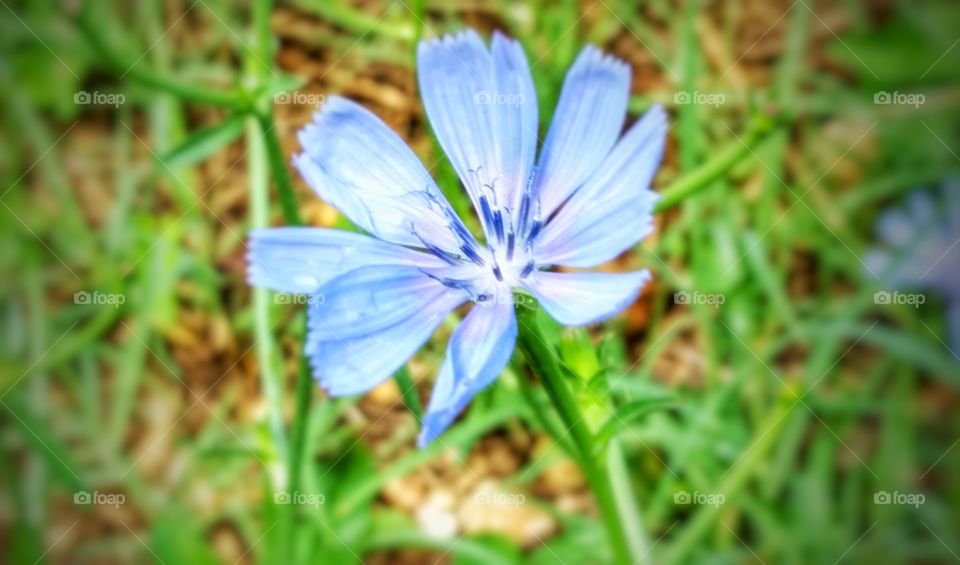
(797, 399)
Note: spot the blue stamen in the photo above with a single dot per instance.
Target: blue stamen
(485, 212)
(535, 229)
(446, 256)
(524, 212)
(471, 254)
(527, 269)
(498, 225)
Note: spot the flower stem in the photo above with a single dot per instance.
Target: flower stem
(543, 362)
(270, 377)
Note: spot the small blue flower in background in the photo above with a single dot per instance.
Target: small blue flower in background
(585, 200)
(922, 249)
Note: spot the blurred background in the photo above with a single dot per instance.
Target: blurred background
(785, 391)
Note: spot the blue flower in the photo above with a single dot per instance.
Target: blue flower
(922, 249)
(585, 200)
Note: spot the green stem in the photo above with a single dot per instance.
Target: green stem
(419, 12)
(278, 165)
(270, 378)
(544, 416)
(303, 393)
(263, 36)
(543, 362)
(630, 516)
(298, 434)
(408, 390)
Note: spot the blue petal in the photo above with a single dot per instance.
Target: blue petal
(361, 167)
(613, 210)
(368, 322)
(479, 350)
(301, 260)
(576, 299)
(587, 122)
(483, 108)
(923, 237)
(897, 228)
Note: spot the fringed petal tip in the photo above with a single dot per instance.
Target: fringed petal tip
(587, 122)
(331, 105)
(448, 39)
(595, 59)
(467, 36)
(258, 258)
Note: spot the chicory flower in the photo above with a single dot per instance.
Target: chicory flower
(922, 249)
(582, 202)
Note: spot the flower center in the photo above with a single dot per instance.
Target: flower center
(490, 272)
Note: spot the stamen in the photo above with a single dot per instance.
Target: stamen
(527, 269)
(524, 212)
(446, 256)
(485, 212)
(535, 229)
(461, 232)
(448, 282)
(498, 225)
(471, 254)
(493, 192)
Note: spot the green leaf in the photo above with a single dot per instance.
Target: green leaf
(583, 541)
(45, 444)
(176, 538)
(204, 143)
(902, 52)
(631, 411)
(284, 83)
(578, 353)
(408, 391)
(486, 549)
